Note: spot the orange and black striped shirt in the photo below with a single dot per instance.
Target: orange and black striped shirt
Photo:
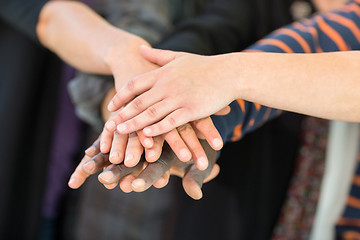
(333, 31)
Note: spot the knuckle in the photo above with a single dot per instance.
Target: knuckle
(152, 112)
(138, 104)
(172, 121)
(130, 86)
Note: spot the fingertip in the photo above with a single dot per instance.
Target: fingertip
(125, 184)
(106, 177)
(192, 189)
(184, 155)
(138, 185)
(121, 128)
(217, 144)
(202, 163)
(110, 186)
(150, 155)
(73, 184)
(147, 131)
(111, 106)
(110, 126)
(148, 142)
(144, 47)
(115, 157)
(104, 148)
(130, 160)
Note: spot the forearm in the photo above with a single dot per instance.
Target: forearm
(324, 85)
(309, 36)
(81, 37)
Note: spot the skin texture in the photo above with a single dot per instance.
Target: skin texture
(142, 176)
(323, 85)
(86, 41)
(183, 140)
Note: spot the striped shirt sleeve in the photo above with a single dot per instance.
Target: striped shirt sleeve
(333, 31)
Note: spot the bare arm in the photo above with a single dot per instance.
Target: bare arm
(324, 85)
(88, 42)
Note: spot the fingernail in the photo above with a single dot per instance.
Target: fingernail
(150, 153)
(217, 143)
(144, 46)
(111, 126)
(90, 150)
(138, 184)
(111, 106)
(128, 157)
(107, 176)
(114, 155)
(202, 163)
(89, 166)
(147, 131)
(184, 153)
(121, 128)
(102, 147)
(147, 142)
(71, 181)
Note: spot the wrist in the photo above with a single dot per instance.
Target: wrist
(121, 42)
(243, 66)
(232, 66)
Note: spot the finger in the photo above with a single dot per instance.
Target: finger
(106, 140)
(93, 149)
(147, 142)
(198, 154)
(131, 89)
(140, 117)
(125, 183)
(87, 167)
(115, 172)
(174, 170)
(113, 121)
(134, 151)
(162, 181)
(96, 163)
(145, 102)
(79, 176)
(110, 186)
(171, 121)
(191, 185)
(177, 144)
(214, 172)
(194, 178)
(158, 56)
(118, 148)
(153, 154)
(226, 110)
(154, 171)
(206, 128)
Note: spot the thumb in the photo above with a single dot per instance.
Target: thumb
(158, 56)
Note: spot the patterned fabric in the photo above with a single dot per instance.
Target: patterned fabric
(348, 225)
(298, 212)
(334, 31)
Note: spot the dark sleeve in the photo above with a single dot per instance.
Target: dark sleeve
(221, 27)
(333, 31)
(22, 14)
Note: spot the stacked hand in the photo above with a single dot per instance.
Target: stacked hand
(144, 175)
(172, 95)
